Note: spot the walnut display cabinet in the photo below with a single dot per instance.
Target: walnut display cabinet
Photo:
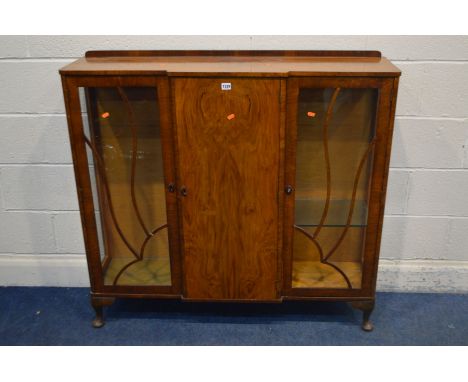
(231, 175)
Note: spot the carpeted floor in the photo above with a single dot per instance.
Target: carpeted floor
(62, 316)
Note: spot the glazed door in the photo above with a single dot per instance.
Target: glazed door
(127, 137)
(228, 156)
(336, 155)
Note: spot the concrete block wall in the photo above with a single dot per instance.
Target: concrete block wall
(425, 239)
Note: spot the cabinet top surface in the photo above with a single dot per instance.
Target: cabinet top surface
(233, 63)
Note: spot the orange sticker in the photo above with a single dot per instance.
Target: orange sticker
(311, 114)
(105, 115)
(231, 116)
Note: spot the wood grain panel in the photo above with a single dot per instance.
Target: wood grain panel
(229, 168)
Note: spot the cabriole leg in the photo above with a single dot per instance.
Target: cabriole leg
(366, 306)
(98, 304)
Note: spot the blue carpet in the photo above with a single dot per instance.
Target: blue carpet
(62, 316)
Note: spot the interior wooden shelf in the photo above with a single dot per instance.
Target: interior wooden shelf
(149, 271)
(314, 274)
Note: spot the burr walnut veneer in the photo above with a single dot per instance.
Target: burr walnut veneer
(231, 175)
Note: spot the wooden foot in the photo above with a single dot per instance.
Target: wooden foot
(98, 304)
(366, 306)
(98, 322)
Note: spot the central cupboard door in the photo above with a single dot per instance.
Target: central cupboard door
(228, 141)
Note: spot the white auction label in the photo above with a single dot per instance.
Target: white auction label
(225, 86)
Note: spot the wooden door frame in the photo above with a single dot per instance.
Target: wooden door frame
(383, 129)
(71, 85)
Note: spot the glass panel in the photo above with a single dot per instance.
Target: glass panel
(335, 140)
(125, 156)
